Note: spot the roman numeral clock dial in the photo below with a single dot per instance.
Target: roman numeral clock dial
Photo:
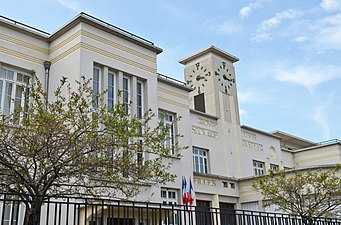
(198, 77)
(224, 77)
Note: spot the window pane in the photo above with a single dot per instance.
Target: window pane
(111, 90)
(8, 99)
(26, 79)
(96, 81)
(125, 94)
(10, 74)
(139, 88)
(125, 84)
(19, 77)
(3, 72)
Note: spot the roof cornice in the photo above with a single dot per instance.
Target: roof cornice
(210, 49)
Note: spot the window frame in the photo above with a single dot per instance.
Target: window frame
(98, 83)
(17, 92)
(200, 161)
(168, 120)
(274, 167)
(126, 94)
(167, 200)
(140, 153)
(258, 168)
(112, 89)
(139, 102)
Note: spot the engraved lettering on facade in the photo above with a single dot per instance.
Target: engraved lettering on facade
(204, 132)
(249, 135)
(203, 181)
(252, 145)
(207, 123)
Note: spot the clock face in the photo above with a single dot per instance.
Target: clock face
(224, 77)
(198, 77)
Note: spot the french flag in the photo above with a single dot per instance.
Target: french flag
(191, 195)
(185, 194)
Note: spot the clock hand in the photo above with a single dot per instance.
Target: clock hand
(199, 77)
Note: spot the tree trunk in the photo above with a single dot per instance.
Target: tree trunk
(33, 211)
(308, 220)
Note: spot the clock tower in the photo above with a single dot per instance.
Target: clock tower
(211, 74)
(213, 99)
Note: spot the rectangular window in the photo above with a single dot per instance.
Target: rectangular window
(111, 90)
(139, 99)
(274, 167)
(199, 102)
(169, 196)
(10, 213)
(259, 168)
(139, 153)
(252, 206)
(168, 120)
(96, 86)
(125, 94)
(200, 160)
(14, 88)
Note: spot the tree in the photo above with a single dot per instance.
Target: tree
(69, 146)
(308, 193)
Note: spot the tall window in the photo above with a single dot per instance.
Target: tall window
(139, 99)
(96, 85)
(168, 122)
(139, 153)
(12, 91)
(169, 196)
(125, 94)
(111, 90)
(200, 160)
(259, 168)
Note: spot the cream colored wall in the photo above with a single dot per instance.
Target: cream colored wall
(246, 193)
(74, 53)
(324, 155)
(175, 100)
(263, 148)
(23, 51)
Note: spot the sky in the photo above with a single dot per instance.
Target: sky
(289, 73)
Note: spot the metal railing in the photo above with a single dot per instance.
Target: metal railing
(172, 79)
(23, 25)
(127, 33)
(332, 141)
(17, 210)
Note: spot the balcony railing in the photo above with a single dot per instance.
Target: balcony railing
(15, 210)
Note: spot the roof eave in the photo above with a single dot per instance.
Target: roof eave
(85, 18)
(212, 49)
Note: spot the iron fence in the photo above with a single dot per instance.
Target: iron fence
(17, 210)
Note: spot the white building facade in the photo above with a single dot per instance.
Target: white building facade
(223, 157)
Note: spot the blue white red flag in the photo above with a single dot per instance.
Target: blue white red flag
(191, 194)
(184, 191)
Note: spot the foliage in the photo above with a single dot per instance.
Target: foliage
(70, 147)
(308, 193)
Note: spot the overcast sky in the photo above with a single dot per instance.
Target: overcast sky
(289, 73)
